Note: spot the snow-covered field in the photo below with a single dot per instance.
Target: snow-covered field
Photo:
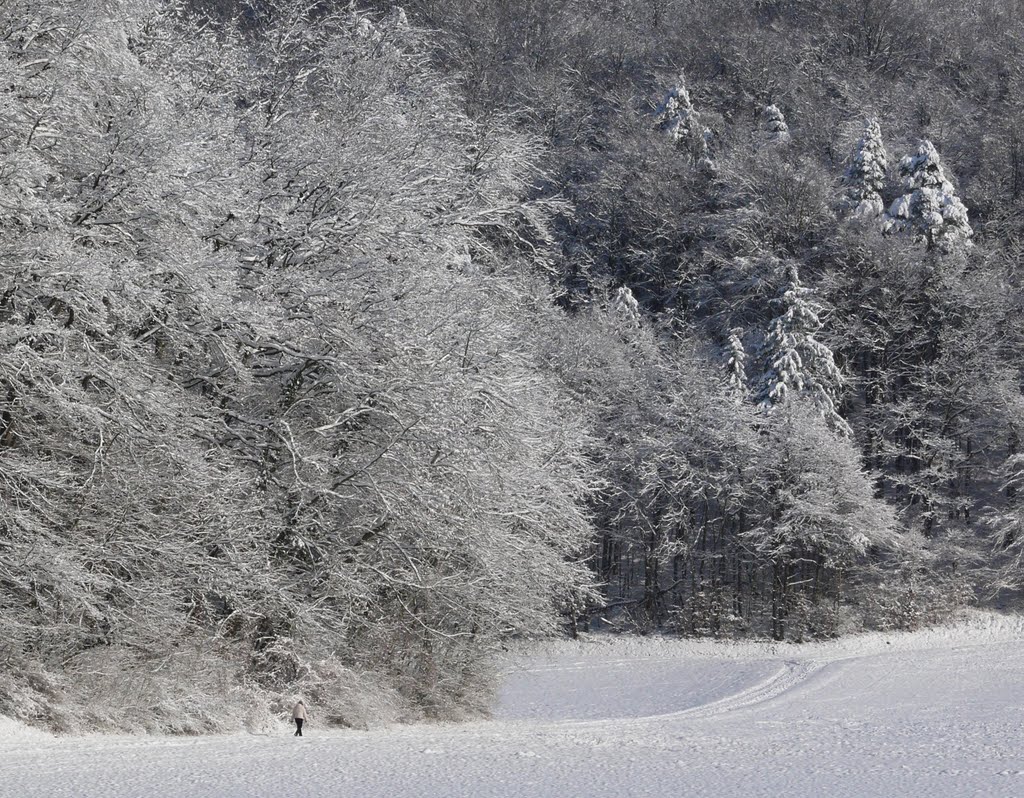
(938, 713)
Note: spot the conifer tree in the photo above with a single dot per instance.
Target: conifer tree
(735, 366)
(773, 127)
(794, 361)
(681, 122)
(929, 208)
(626, 307)
(865, 177)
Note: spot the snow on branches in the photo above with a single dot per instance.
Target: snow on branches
(625, 307)
(678, 119)
(736, 360)
(251, 395)
(794, 361)
(772, 127)
(865, 177)
(929, 207)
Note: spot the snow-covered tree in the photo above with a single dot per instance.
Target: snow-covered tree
(929, 207)
(625, 307)
(736, 361)
(246, 403)
(794, 361)
(1007, 523)
(821, 509)
(865, 176)
(772, 126)
(680, 121)
(675, 110)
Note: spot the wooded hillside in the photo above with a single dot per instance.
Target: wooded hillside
(340, 345)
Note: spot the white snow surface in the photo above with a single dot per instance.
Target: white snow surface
(935, 713)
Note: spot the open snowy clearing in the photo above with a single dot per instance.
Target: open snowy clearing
(939, 713)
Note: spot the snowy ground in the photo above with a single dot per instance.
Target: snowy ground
(939, 713)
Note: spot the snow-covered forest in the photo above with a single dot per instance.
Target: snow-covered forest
(343, 344)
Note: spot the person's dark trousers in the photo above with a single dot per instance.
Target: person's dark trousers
(298, 727)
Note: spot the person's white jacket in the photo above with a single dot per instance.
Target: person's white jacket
(299, 712)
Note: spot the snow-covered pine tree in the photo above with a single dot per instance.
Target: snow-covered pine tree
(626, 307)
(794, 361)
(929, 208)
(736, 362)
(773, 127)
(680, 121)
(865, 176)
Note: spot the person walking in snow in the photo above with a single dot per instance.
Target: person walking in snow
(299, 715)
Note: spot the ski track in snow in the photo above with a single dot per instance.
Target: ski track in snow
(939, 713)
(783, 680)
